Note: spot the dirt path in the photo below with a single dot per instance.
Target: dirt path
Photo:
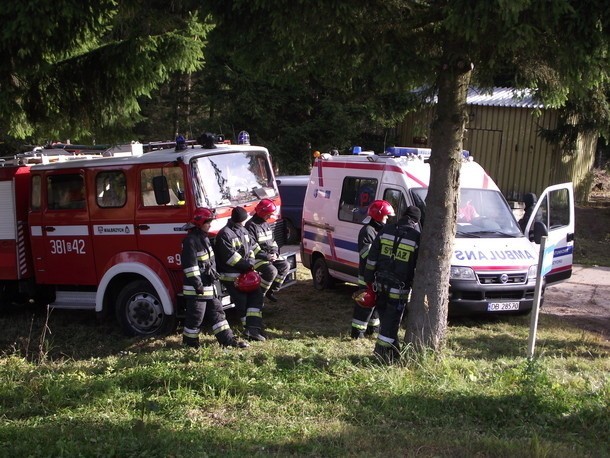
(584, 299)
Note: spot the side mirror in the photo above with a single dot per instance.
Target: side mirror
(161, 190)
(538, 231)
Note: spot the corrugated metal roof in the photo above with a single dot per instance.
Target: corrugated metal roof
(503, 97)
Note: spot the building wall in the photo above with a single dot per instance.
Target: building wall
(505, 141)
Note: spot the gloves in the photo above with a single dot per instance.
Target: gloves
(199, 290)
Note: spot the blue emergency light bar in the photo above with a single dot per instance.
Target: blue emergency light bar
(399, 151)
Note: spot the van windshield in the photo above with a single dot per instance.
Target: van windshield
(481, 213)
(232, 178)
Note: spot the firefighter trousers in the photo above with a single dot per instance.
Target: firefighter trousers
(200, 311)
(391, 311)
(273, 274)
(249, 306)
(364, 320)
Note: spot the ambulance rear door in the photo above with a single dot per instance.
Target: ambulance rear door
(555, 209)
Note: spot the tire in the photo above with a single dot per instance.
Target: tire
(140, 313)
(320, 275)
(293, 235)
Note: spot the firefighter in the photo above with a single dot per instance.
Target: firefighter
(272, 267)
(366, 320)
(236, 253)
(391, 266)
(200, 286)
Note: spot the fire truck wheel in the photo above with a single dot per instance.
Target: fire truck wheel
(140, 312)
(320, 275)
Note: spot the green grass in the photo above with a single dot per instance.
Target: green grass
(308, 391)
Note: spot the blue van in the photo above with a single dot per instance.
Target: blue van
(292, 192)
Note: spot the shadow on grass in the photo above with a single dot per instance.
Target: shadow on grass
(301, 313)
(413, 424)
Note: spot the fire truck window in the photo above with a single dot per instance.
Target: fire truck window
(175, 181)
(36, 193)
(65, 192)
(111, 189)
(356, 196)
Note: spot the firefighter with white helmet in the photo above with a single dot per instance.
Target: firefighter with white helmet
(236, 252)
(391, 266)
(272, 267)
(200, 285)
(366, 319)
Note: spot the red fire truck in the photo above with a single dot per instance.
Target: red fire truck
(104, 233)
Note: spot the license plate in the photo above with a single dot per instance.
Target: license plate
(501, 306)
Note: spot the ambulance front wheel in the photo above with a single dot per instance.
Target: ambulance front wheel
(320, 275)
(139, 311)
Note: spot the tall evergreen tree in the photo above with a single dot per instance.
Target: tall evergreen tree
(78, 67)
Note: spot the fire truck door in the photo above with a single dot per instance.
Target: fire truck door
(158, 223)
(67, 250)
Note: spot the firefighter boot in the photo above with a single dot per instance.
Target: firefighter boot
(234, 343)
(271, 296)
(372, 330)
(357, 333)
(192, 342)
(385, 354)
(251, 333)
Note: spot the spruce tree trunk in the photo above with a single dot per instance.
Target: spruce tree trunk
(427, 313)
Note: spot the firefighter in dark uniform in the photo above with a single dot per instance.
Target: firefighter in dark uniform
(272, 267)
(366, 320)
(391, 267)
(235, 252)
(200, 285)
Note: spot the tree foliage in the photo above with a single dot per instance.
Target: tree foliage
(79, 66)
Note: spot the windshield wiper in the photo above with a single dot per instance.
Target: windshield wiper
(492, 231)
(468, 234)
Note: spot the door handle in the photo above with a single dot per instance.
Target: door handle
(570, 237)
(143, 227)
(48, 228)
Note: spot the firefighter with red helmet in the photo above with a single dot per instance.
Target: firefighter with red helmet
(272, 267)
(236, 252)
(366, 319)
(200, 285)
(391, 266)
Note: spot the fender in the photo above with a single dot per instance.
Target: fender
(147, 266)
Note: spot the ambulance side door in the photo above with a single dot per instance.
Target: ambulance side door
(555, 209)
(67, 248)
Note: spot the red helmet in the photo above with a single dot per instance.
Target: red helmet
(365, 298)
(380, 208)
(202, 216)
(248, 281)
(265, 208)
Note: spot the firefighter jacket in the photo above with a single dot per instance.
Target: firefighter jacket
(198, 265)
(366, 236)
(261, 232)
(392, 258)
(235, 251)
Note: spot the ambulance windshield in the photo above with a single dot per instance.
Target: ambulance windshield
(482, 213)
(232, 178)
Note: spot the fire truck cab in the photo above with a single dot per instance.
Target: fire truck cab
(105, 233)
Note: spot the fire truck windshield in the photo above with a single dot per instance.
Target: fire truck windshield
(234, 178)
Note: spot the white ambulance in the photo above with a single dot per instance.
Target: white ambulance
(493, 266)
